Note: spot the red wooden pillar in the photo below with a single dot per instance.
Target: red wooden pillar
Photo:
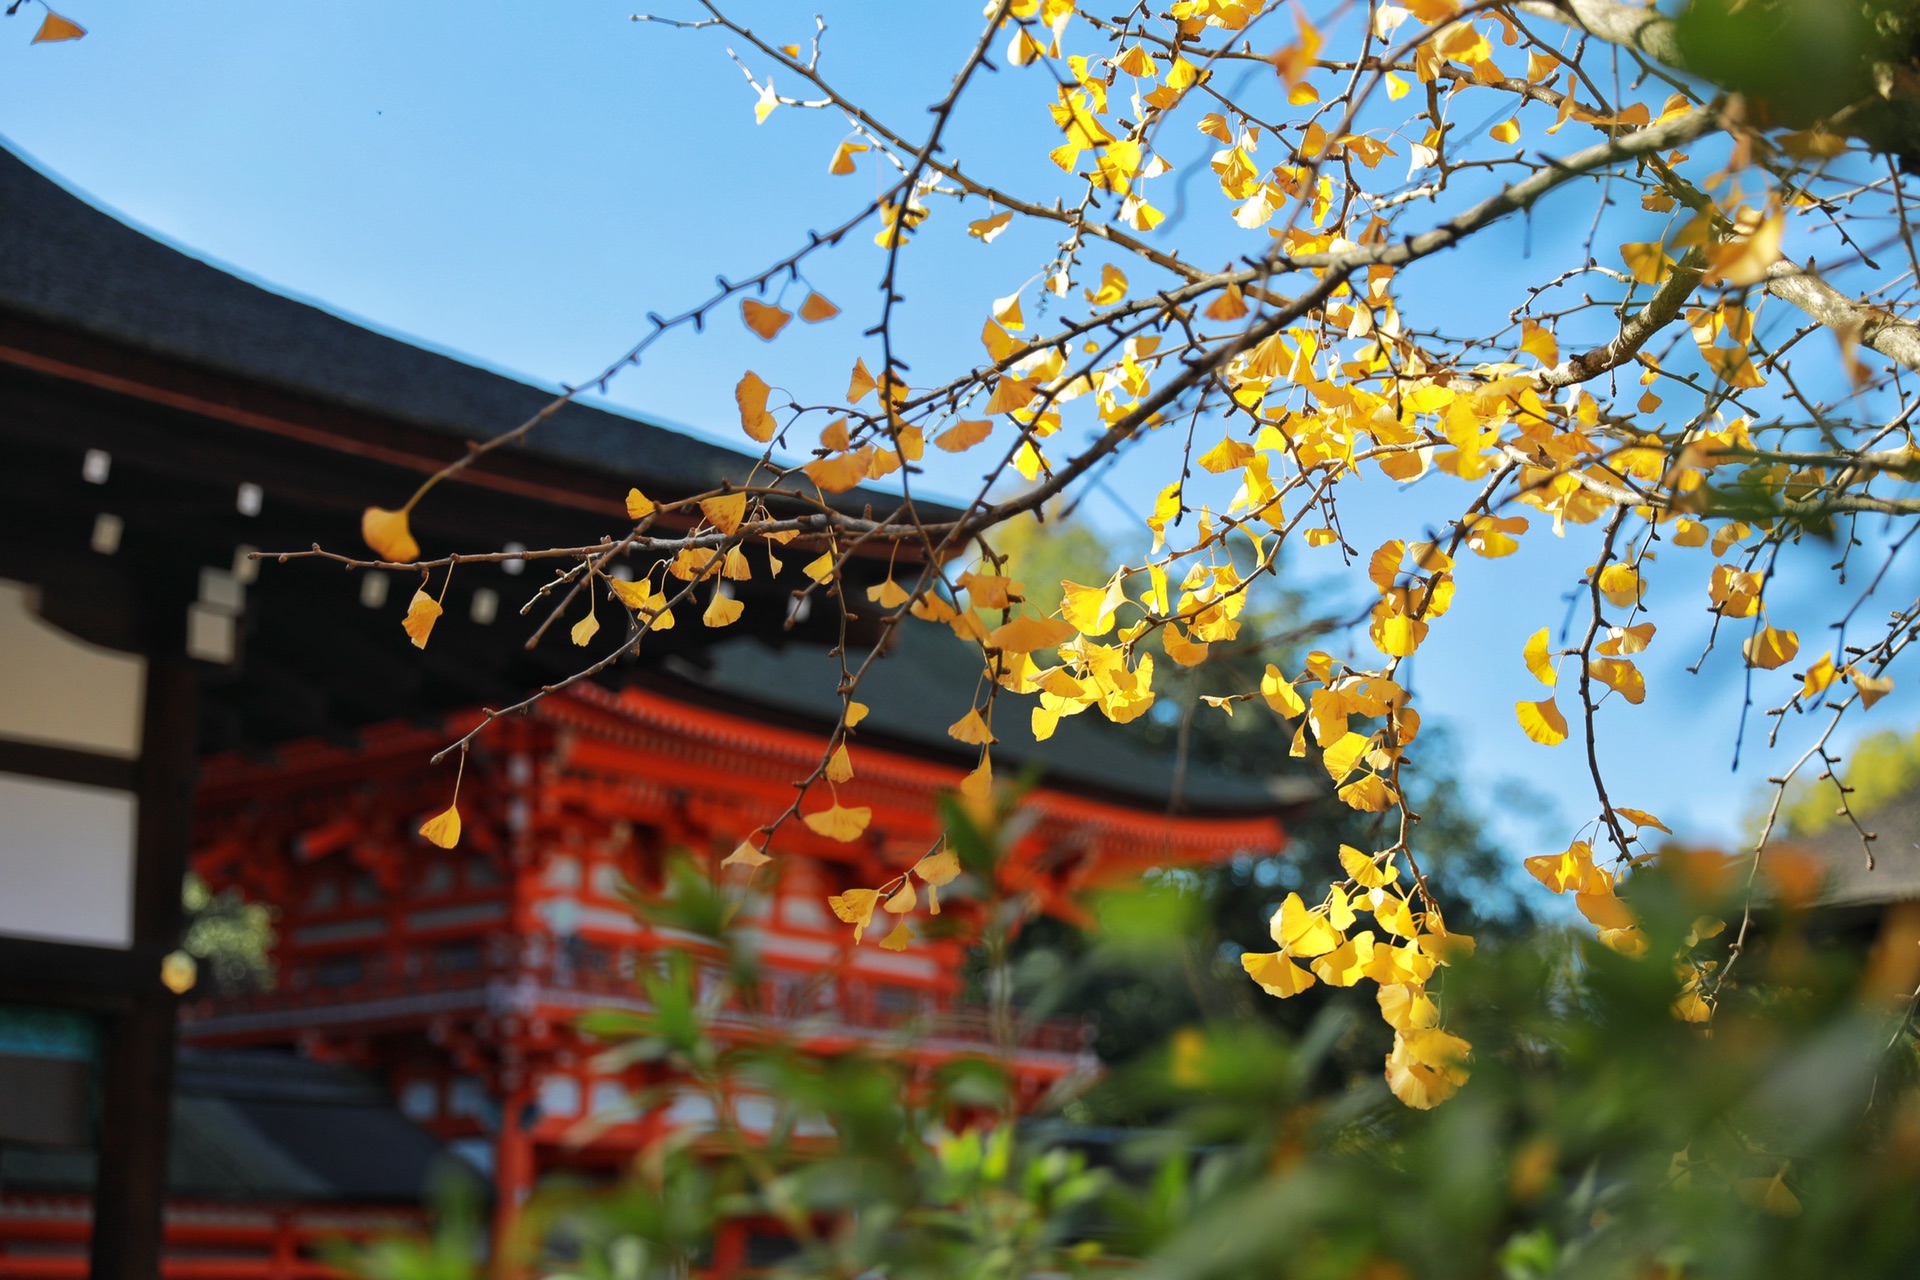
(285, 1251)
(729, 1251)
(513, 1174)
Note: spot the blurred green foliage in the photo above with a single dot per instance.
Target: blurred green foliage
(231, 937)
(1881, 767)
(1599, 1135)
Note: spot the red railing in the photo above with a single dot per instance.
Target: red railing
(47, 1238)
(414, 985)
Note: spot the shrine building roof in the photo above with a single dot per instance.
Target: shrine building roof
(69, 262)
(921, 686)
(268, 1125)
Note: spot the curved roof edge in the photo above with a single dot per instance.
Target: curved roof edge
(67, 261)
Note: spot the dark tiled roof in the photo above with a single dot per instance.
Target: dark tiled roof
(262, 1125)
(921, 687)
(67, 262)
(1895, 874)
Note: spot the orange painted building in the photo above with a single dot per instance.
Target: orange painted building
(457, 974)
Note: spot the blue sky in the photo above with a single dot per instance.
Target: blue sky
(521, 185)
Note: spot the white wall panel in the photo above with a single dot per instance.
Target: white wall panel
(66, 861)
(59, 691)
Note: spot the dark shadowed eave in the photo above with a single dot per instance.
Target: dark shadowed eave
(1846, 879)
(66, 262)
(922, 685)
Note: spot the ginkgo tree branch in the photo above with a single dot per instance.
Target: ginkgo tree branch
(1660, 311)
(949, 170)
(1319, 366)
(1632, 26)
(1898, 340)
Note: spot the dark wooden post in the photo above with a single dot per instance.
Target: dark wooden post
(130, 1189)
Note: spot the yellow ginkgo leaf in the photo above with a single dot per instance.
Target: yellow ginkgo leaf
(1091, 609)
(977, 786)
(1368, 793)
(1010, 394)
(585, 629)
(765, 320)
(899, 938)
(639, 506)
(1641, 819)
(726, 512)
(1542, 722)
(1342, 756)
(1301, 932)
(1771, 1195)
(856, 712)
(1770, 648)
(1113, 287)
(1538, 341)
(1621, 585)
(842, 472)
(963, 435)
(1395, 916)
(443, 828)
(751, 396)
(1537, 658)
(839, 765)
(816, 308)
(1571, 871)
(1605, 910)
(1407, 1008)
(387, 533)
(1407, 965)
(1276, 974)
(1818, 676)
(1424, 1068)
(634, 595)
(971, 729)
(1007, 312)
(842, 162)
(1364, 871)
(855, 907)
(1649, 263)
(1745, 261)
(888, 594)
(1621, 641)
(745, 855)
(178, 972)
(840, 822)
(820, 568)
(989, 590)
(985, 229)
(1347, 963)
(939, 868)
(1228, 306)
(722, 611)
(53, 28)
(903, 899)
(1228, 455)
(1026, 634)
(1621, 676)
(422, 612)
(1280, 693)
(1872, 688)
